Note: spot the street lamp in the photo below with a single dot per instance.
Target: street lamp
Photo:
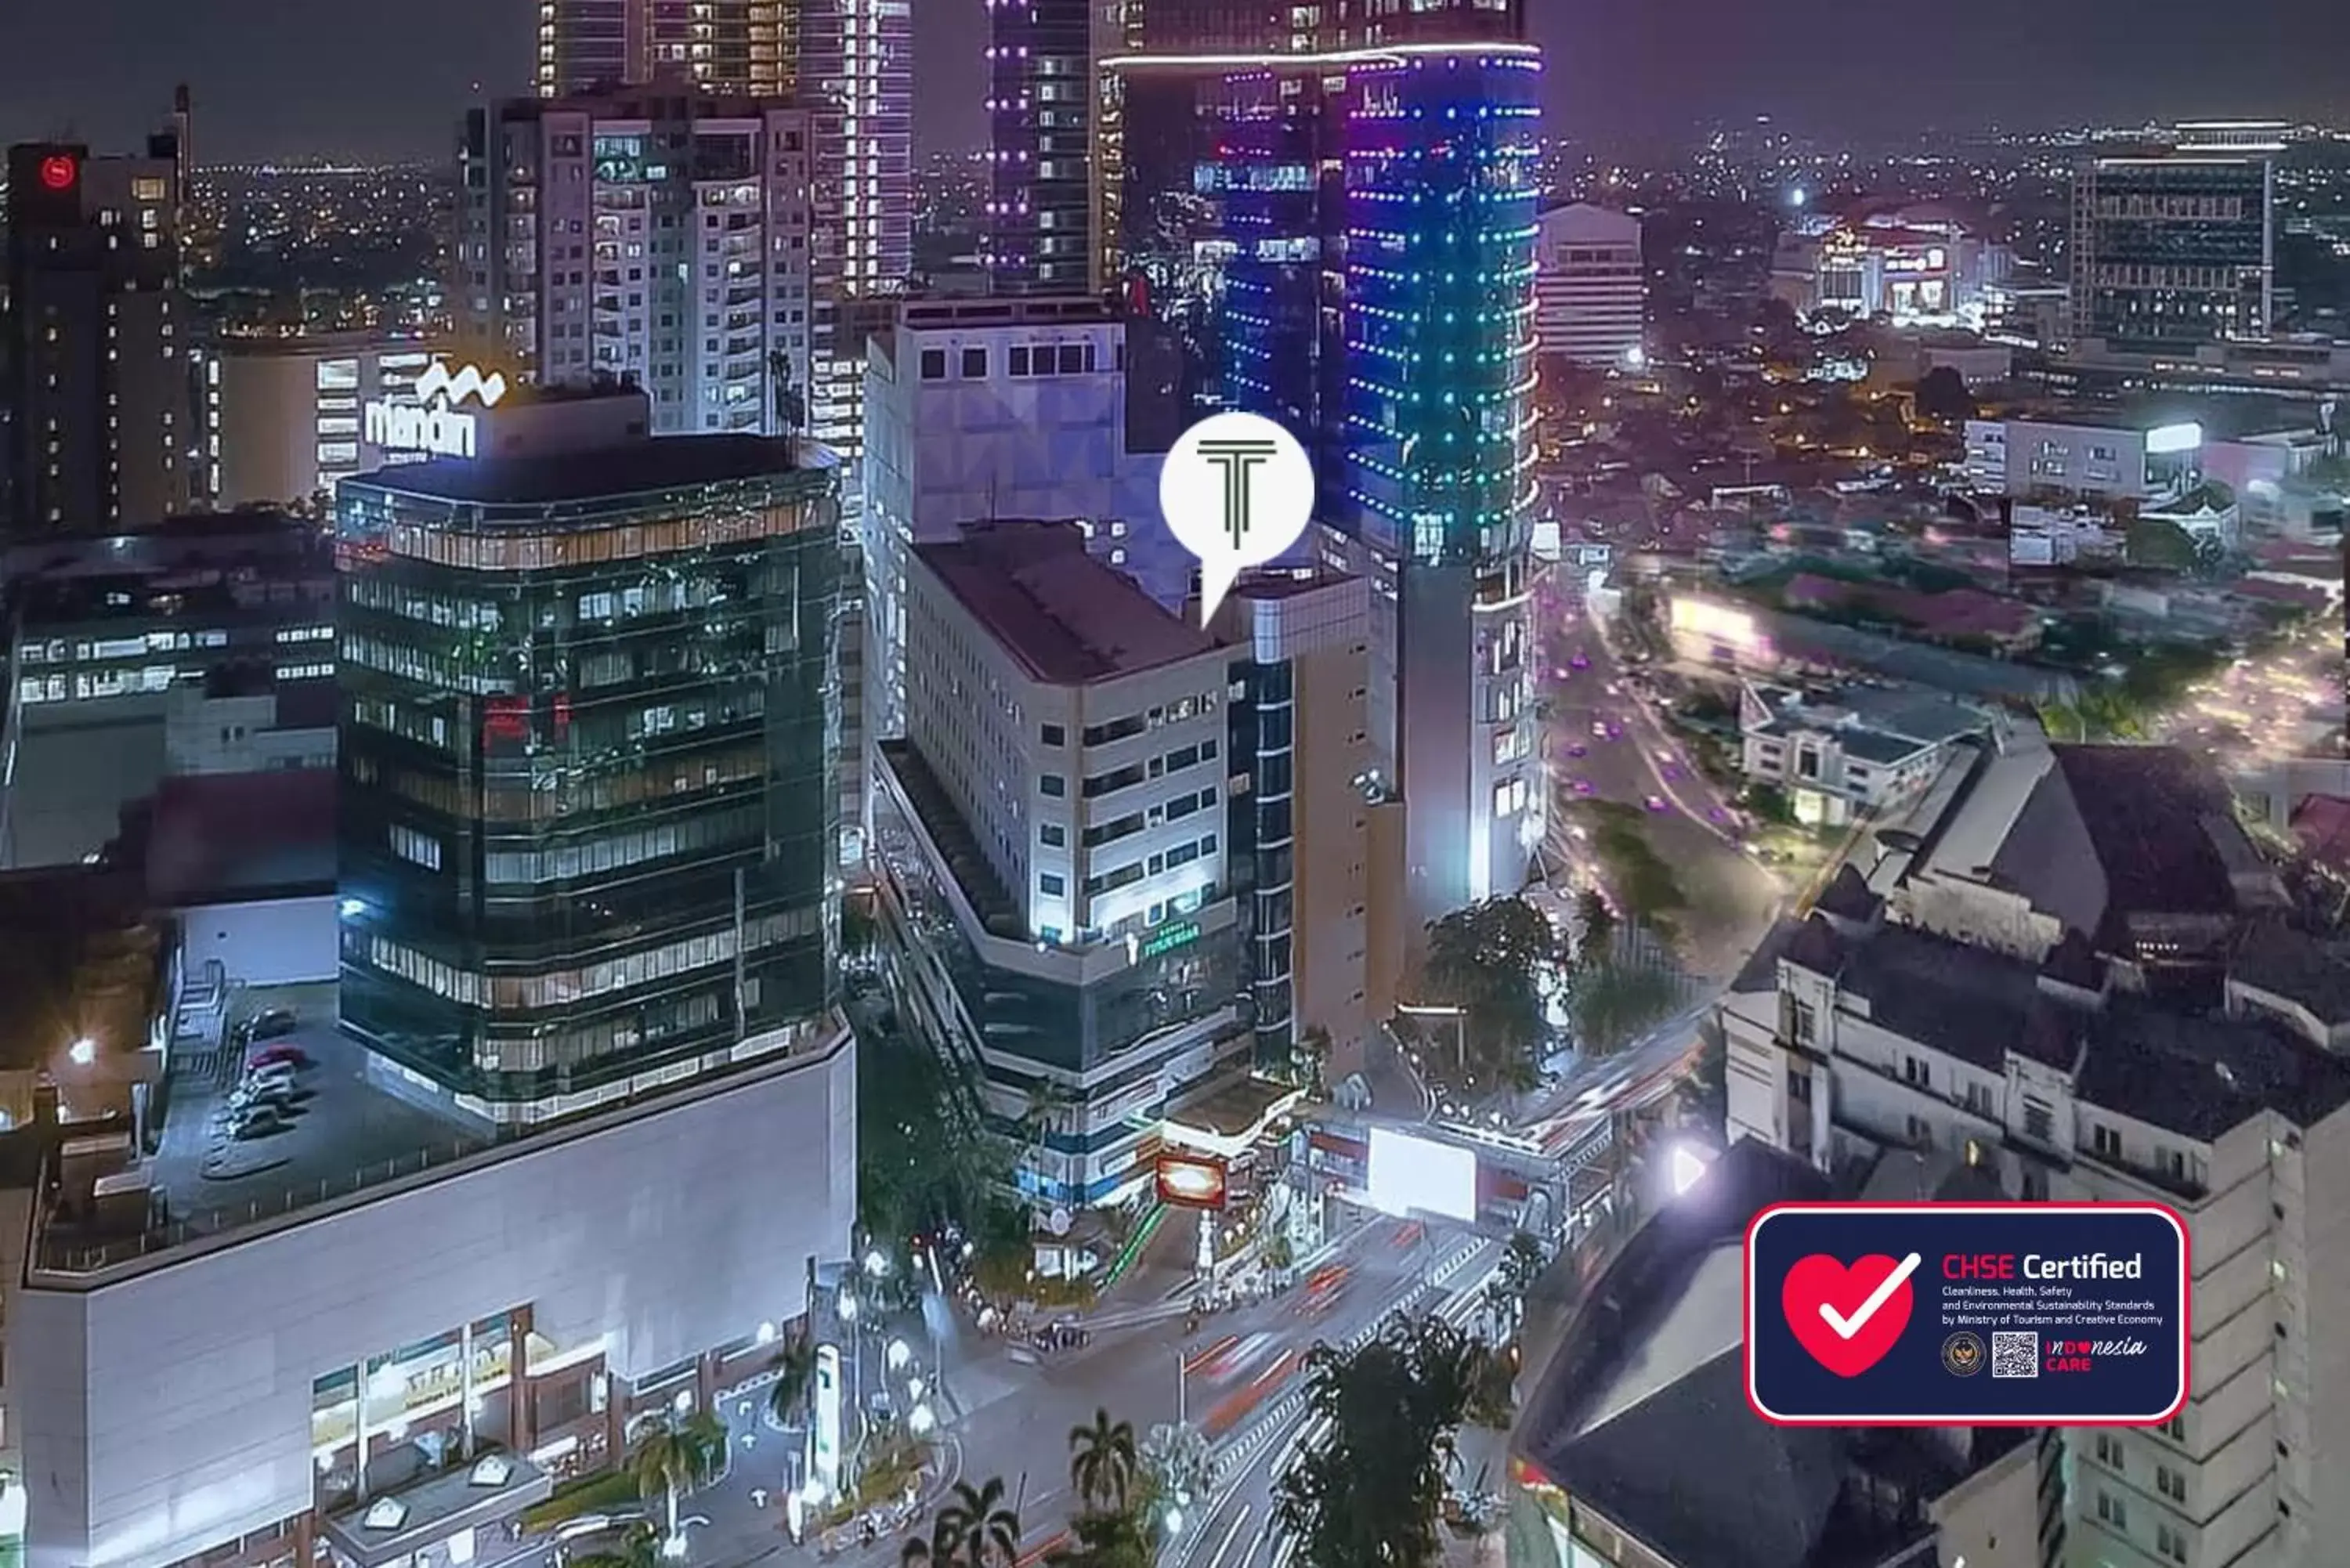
(896, 1355)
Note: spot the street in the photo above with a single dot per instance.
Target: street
(1604, 742)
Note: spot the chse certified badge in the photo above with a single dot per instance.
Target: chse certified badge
(1962, 1354)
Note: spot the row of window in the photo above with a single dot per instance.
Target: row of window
(85, 650)
(1023, 360)
(1134, 871)
(561, 988)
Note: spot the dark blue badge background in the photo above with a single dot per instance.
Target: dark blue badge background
(1910, 1383)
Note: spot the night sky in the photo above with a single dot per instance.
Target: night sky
(382, 79)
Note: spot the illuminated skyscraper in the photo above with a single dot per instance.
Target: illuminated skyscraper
(849, 65)
(2175, 244)
(93, 356)
(1042, 209)
(724, 46)
(1371, 213)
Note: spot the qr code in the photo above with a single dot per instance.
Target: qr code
(2016, 1356)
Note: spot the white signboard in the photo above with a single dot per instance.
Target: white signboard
(825, 1458)
(432, 424)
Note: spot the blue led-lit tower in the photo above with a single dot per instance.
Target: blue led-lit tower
(1433, 443)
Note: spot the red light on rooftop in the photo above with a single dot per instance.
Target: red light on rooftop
(58, 172)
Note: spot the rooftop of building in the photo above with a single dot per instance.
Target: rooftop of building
(2309, 972)
(2092, 836)
(1651, 1371)
(1069, 619)
(202, 542)
(2190, 1071)
(1878, 722)
(668, 463)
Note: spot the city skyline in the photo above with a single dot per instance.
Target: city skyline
(277, 83)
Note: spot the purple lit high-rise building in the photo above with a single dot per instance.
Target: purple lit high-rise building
(1042, 121)
(1368, 184)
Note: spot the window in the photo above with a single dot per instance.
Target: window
(1978, 1099)
(2170, 1543)
(974, 364)
(1802, 1022)
(1053, 784)
(413, 846)
(1915, 1070)
(2105, 1143)
(2170, 1483)
(2110, 1510)
(2039, 1120)
(1052, 885)
(1018, 358)
(2109, 1452)
(1073, 359)
(1054, 735)
(1053, 835)
(934, 364)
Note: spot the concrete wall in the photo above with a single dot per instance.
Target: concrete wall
(169, 1410)
(270, 941)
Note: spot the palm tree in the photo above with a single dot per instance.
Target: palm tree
(987, 1533)
(1102, 1462)
(1120, 1540)
(675, 1454)
(795, 1370)
(938, 1551)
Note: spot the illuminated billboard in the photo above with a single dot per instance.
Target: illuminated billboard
(1417, 1176)
(1192, 1181)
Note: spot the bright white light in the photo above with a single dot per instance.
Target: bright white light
(674, 1547)
(83, 1051)
(1797, 197)
(1414, 1175)
(684, 1402)
(1687, 1167)
(896, 1355)
(766, 1333)
(352, 908)
(1174, 1522)
(2166, 439)
(921, 1423)
(915, 1387)
(876, 1264)
(847, 1309)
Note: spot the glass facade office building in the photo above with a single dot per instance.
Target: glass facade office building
(588, 728)
(2173, 250)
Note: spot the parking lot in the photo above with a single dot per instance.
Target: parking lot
(224, 1160)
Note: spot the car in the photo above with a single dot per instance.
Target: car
(1581, 661)
(271, 1074)
(1578, 750)
(1598, 729)
(1654, 802)
(272, 1022)
(1672, 771)
(281, 1055)
(260, 1121)
(1584, 786)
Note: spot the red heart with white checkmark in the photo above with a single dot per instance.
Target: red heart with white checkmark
(1836, 1314)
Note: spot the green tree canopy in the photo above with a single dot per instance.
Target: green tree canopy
(1494, 960)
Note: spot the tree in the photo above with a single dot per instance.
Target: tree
(1596, 923)
(637, 1547)
(2162, 545)
(1121, 1539)
(1369, 1496)
(923, 1157)
(795, 1370)
(1942, 395)
(1494, 960)
(1102, 1462)
(674, 1455)
(1614, 1002)
(987, 1532)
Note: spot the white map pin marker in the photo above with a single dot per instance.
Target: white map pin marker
(1237, 490)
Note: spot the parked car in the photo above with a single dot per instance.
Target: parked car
(272, 1022)
(1654, 802)
(284, 1054)
(260, 1121)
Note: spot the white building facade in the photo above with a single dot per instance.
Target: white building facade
(978, 410)
(1590, 286)
(1051, 841)
(2108, 461)
(200, 1400)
